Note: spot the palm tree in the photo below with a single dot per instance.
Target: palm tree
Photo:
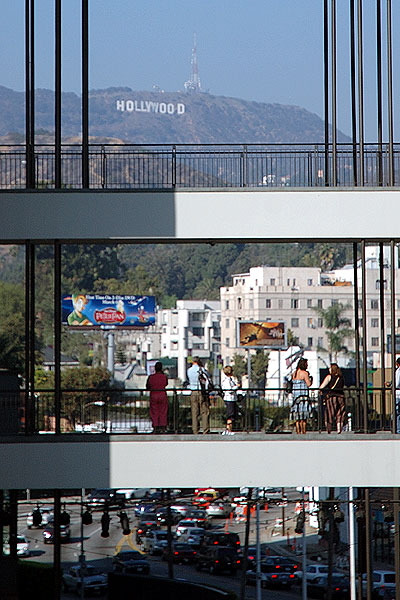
(338, 328)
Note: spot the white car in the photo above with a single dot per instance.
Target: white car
(184, 525)
(220, 510)
(155, 541)
(47, 514)
(22, 546)
(91, 579)
(314, 571)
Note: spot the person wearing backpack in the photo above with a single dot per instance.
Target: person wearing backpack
(199, 384)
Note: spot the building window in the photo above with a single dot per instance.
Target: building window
(334, 301)
(288, 282)
(227, 342)
(294, 303)
(198, 331)
(239, 303)
(398, 322)
(198, 346)
(309, 342)
(320, 342)
(375, 342)
(310, 322)
(251, 303)
(374, 322)
(227, 323)
(268, 303)
(320, 322)
(375, 304)
(319, 303)
(226, 304)
(309, 303)
(378, 284)
(294, 322)
(272, 281)
(294, 281)
(309, 282)
(280, 303)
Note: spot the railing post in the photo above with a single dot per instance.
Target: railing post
(174, 166)
(243, 169)
(103, 166)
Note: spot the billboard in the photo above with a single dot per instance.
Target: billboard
(261, 334)
(97, 310)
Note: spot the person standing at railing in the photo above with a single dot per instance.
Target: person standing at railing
(229, 386)
(301, 408)
(199, 383)
(156, 384)
(335, 408)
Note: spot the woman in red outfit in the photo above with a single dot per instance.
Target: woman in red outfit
(156, 383)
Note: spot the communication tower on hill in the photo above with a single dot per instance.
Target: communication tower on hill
(193, 85)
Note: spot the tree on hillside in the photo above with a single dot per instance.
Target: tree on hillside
(338, 328)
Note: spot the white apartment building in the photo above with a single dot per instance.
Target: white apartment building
(190, 329)
(291, 294)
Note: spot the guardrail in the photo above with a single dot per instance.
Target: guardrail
(128, 411)
(177, 166)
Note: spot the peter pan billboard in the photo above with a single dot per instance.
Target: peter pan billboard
(96, 310)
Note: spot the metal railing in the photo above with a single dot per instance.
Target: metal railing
(180, 166)
(128, 412)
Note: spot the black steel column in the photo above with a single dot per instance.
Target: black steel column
(30, 93)
(364, 336)
(382, 332)
(368, 540)
(326, 93)
(333, 92)
(85, 94)
(57, 105)
(353, 91)
(393, 328)
(356, 332)
(29, 338)
(379, 88)
(57, 545)
(57, 335)
(396, 515)
(360, 89)
(390, 92)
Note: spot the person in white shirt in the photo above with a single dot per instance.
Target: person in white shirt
(229, 386)
(199, 379)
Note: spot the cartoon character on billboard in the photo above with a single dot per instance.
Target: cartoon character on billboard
(76, 317)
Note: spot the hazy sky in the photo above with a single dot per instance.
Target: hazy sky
(262, 50)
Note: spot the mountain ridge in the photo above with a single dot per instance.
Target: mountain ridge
(154, 117)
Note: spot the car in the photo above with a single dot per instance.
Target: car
(185, 524)
(181, 553)
(182, 507)
(142, 529)
(130, 561)
(22, 546)
(162, 516)
(192, 536)
(46, 514)
(381, 580)
(48, 533)
(91, 579)
(221, 538)
(319, 588)
(315, 570)
(204, 497)
(105, 498)
(199, 514)
(272, 574)
(142, 509)
(220, 510)
(217, 559)
(155, 541)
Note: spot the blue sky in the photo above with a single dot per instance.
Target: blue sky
(263, 50)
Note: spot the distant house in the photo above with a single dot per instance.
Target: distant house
(48, 359)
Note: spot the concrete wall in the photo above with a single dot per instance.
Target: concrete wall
(342, 214)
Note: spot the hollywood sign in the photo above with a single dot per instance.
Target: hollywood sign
(148, 106)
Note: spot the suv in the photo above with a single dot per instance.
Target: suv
(84, 576)
(105, 498)
(381, 581)
(216, 559)
(221, 538)
(274, 572)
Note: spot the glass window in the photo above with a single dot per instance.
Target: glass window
(268, 303)
(239, 303)
(319, 303)
(309, 342)
(375, 341)
(198, 331)
(309, 281)
(226, 304)
(294, 303)
(280, 303)
(272, 281)
(227, 342)
(374, 322)
(320, 322)
(294, 322)
(374, 304)
(309, 303)
(226, 322)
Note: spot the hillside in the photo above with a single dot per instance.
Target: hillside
(159, 117)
